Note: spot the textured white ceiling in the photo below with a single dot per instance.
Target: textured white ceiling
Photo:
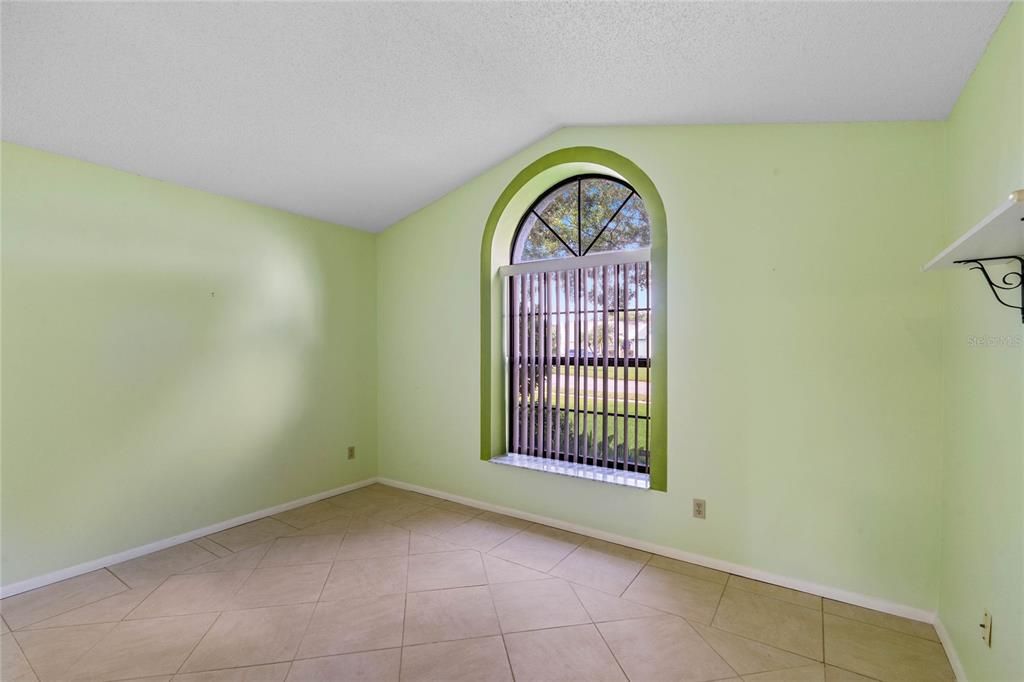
(361, 113)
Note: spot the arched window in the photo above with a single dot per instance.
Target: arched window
(578, 328)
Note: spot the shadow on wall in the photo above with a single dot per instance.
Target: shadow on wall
(163, 344)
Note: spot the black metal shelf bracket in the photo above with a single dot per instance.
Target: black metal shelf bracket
(1011, 281)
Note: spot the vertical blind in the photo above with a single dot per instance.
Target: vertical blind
(579, 355)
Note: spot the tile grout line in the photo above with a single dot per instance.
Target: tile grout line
(823, 659)
(196, 645)
(864, 675)
(28, 662)
(27, 626)
(190, 568)
(497, 619)
(323, 587)
(508, 658)
(405, 608)
(880, 627)
(610, 650)
(573, 586)
(193, 542)
(116, 577)
(718, 604)
(620, 594)
(703, 580)
(546, 572)
(722, 596)
(215, 670)
(105, 635)
(748, 639)
(242, 584)
(160, 584)
(309, 622)
(820, 609)
(319, 656)
(501, 630)
(207, 537)
(274, 517)
(563, 559)
(561, 627)
(775, 646)
(736, 673)
(38, 627)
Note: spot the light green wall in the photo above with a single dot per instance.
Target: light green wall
(983, 517)
(171, 359)
(804, 382)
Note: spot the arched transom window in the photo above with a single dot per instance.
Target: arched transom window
(578, 331)
(583, 215)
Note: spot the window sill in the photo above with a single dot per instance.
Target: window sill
(592, 473)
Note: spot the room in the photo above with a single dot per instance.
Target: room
(490, 341)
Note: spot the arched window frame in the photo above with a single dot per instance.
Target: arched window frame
(521, 191)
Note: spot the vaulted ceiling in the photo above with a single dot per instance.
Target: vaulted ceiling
(360, 113)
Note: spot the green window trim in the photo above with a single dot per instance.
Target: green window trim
(501, 223)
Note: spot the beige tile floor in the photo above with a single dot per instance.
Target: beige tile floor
(385, 584)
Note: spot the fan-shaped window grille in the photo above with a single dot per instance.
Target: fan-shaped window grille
(584, 215)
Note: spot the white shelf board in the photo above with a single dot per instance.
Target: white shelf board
(1001, 233)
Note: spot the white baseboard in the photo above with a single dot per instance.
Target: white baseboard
(837, 594)
(951, 654)
(103, 562)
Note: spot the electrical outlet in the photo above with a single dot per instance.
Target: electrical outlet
(351, 451)
(986, 628)
(700, 508)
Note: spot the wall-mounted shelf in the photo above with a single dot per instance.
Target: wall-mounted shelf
(1000, 234)
(999, 238)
